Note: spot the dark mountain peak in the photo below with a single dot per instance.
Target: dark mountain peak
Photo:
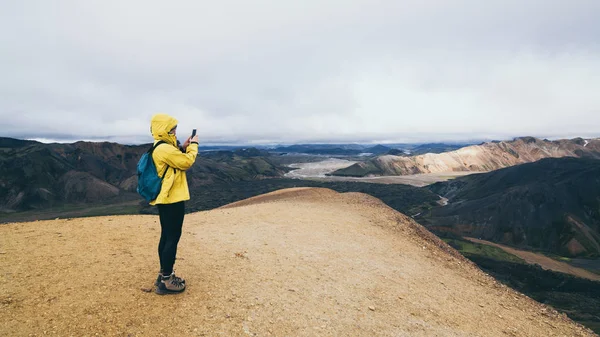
(379, 147)
(6, 142)
(528, 139)
(395, 152)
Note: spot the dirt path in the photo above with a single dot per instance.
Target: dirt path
(544, 261)
(298, 262)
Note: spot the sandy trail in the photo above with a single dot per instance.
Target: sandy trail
(544, 261)
(298, 262)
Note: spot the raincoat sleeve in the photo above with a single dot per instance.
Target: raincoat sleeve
(173, 156)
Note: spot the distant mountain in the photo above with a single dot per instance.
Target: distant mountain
(396, 152)
(356, 149)
(552, 204)
(334, 152)
(434, 148)
(477, 158)
(378, 149)
(228, 166)
(35, 175)
(302, 148)
(333, 149)
(414, 150)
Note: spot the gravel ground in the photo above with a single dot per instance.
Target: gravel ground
(296, 262)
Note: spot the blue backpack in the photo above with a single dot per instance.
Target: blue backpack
(149, 183)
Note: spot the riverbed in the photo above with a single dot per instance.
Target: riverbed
(319, 170)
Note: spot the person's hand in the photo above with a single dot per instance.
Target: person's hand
(187, 142)
(194, 139)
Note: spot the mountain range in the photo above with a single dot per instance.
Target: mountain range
(361, 149)
(333, 149)
(552, 205)
(34, 175)
(476, 158)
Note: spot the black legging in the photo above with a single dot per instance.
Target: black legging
(171, 221)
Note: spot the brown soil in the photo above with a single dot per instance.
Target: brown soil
(298, 262)
(544, 261)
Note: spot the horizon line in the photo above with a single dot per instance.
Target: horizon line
(238, 143)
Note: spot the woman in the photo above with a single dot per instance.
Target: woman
(173, 161)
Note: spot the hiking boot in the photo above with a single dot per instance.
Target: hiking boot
(170, 285)
(160, 276)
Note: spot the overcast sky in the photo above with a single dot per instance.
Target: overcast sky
(274, 71)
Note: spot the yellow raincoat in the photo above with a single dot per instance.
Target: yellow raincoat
(174, 186)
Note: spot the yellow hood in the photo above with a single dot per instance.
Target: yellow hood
(160, 125)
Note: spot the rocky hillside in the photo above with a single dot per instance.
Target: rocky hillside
(35, 175)
(477, 158)
(551, 205)
(300, 262)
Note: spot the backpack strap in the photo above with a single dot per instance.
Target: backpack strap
(156, 145)
(152, 150)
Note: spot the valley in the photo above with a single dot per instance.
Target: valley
(543, 261)
(551, 205)
(317, 169)
(578, 297)
(322, 171)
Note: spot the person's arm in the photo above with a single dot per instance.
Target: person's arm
(175, 158)
(188, 141)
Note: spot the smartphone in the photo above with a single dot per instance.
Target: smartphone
(193, 133)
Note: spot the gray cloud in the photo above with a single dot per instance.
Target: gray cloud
(273, 71)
